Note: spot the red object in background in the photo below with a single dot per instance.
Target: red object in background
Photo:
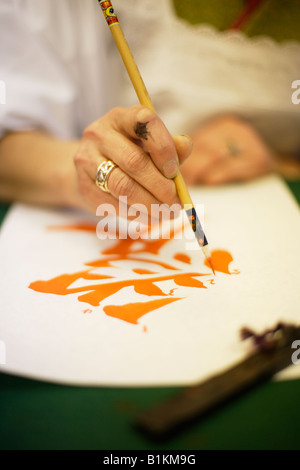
(250, 8)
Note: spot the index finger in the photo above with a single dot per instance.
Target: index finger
(143, 124)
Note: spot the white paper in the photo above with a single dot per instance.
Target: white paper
(58, 338)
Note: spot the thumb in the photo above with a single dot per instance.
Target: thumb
(184, 146)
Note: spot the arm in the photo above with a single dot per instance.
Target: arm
(37, 168)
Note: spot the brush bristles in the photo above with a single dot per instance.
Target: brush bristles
(209, 260)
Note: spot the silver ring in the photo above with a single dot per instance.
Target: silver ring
(103, 172)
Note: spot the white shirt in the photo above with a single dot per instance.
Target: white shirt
(62, 70)
(53, 62)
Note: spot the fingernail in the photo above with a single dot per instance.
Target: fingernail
(190, 141)
(188, 137)
(170, 169)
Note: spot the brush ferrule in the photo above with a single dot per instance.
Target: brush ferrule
(196, 226)
(109, 12)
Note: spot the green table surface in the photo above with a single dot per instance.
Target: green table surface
(39, 415)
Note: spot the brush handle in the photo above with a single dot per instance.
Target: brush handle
(145, 100)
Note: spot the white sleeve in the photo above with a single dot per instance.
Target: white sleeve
(38, 91)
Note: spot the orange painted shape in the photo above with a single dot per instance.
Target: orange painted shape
(158, 263)
(100, 263)
(187, 280)
(132, 312)
(127, 249)
(148, 288)
(221, 260)
(143, 271)
(107, 263)
(183, 258)
(172, 291)
(60, 285)
(95, 277)
(210, 264)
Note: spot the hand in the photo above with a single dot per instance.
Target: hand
(146, 155)
(226, 149)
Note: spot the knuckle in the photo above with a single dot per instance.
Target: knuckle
(136, 161)
(166, 148)
(115, 112)
(94, 131)
(79, 158)
(121, 185)
(82, 159)
(145, 114)
(98, 129)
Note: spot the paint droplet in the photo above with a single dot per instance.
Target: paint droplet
(87, 311)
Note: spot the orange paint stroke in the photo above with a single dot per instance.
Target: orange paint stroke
(95, 294)
(132, 312)
(183, 258)
(126, 250)
(128, 246)
(60, 285)
(172, 291)
(158, 263)
(221, 260)
(101, 263)
(143, 271)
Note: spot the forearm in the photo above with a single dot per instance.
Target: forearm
(36, 168)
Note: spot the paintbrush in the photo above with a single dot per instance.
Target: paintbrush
(145, 100)
(271, 354)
